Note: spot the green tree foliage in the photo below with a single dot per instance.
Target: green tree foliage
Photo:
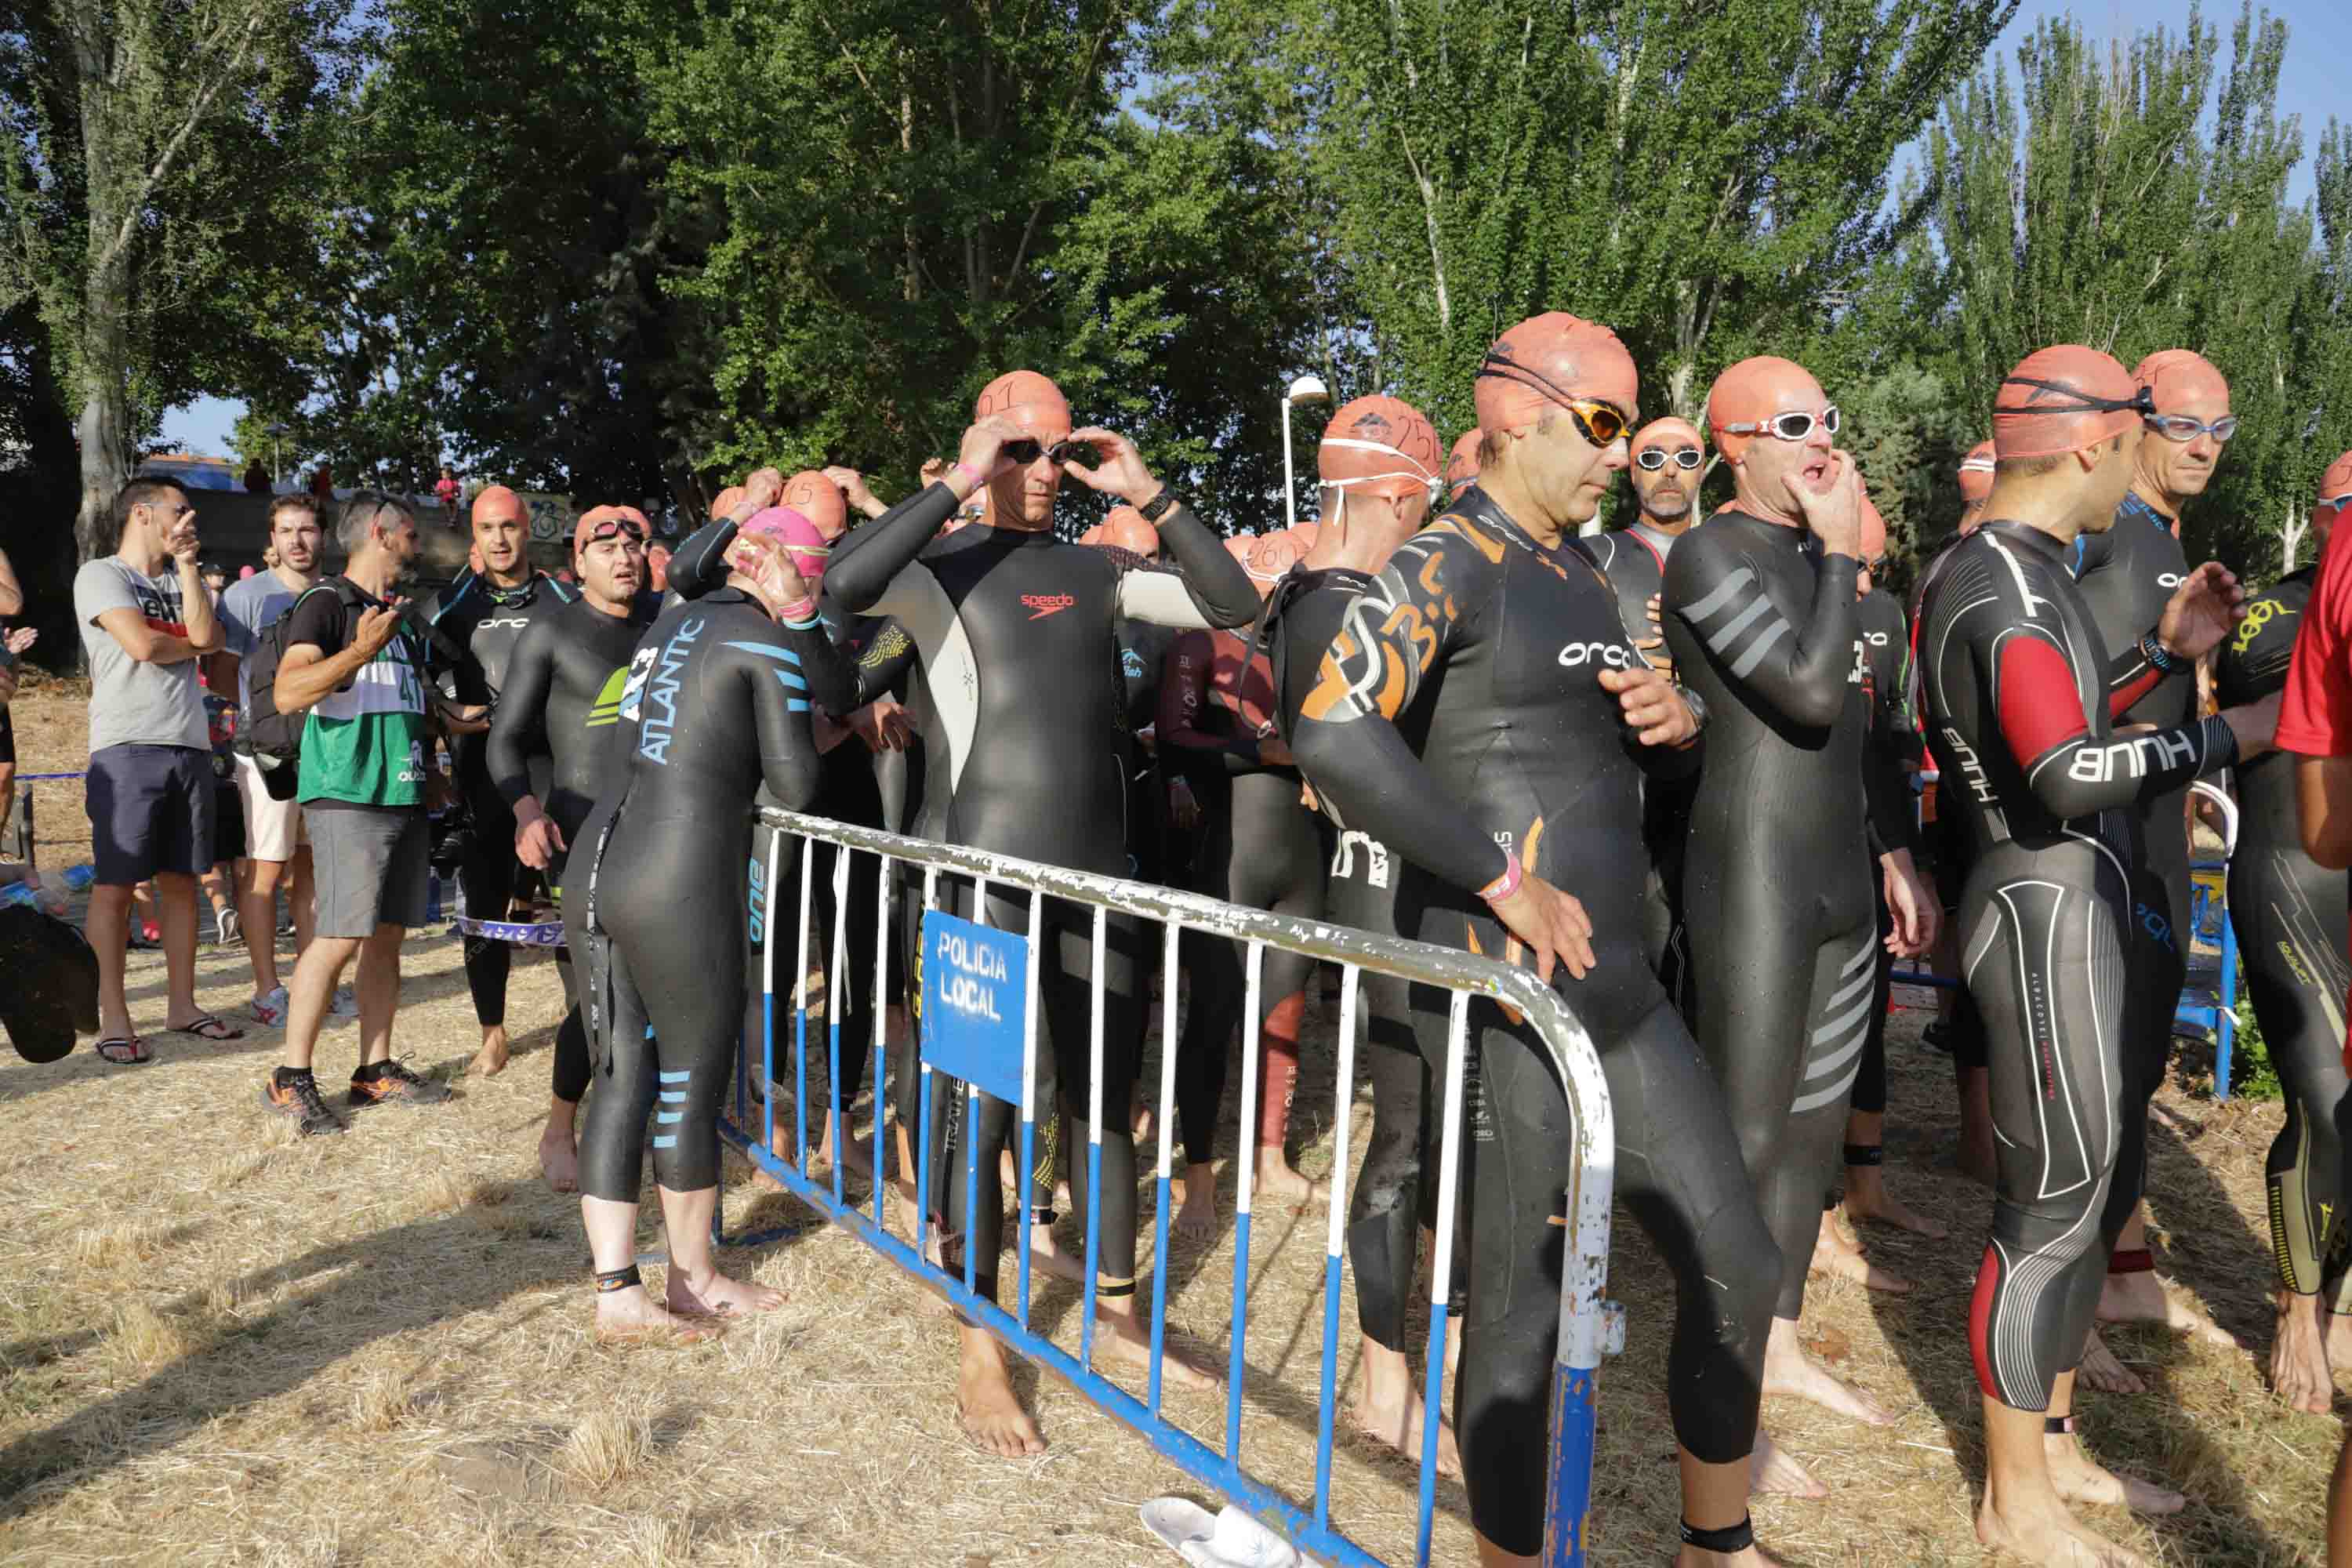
(2111, 196)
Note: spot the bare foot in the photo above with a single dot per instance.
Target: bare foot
(1196, 1215)
(719, 1297)
(991, 1414)
(1770, 1470)
(491, 1059)
(559, 1159)
(1867, 1198)
(2052, 1537)
(1142, 1125)
(2081, 1479)
(2102, 1371)
(1795, 1374)
(629, 1317)
(1692, 1557)
(1127, 1340)
(1840, 1256)
(2339, 1337)
(2299, 1367)
(1280, 1184)
(1046, 1253)
(2141, 1298)
(1399, 1426)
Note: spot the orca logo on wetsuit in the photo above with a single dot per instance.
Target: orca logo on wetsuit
(1875, 639)
(1616, 655)
(1048, 603)
(2170, 579)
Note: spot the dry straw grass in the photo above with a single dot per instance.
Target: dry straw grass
(219, 1345)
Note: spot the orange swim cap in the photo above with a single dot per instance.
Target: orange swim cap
(1462, 463)
(1380, 445)
(1975, 473)
(820, 500)
(2066, 398)
(1669, 432)
(583, 530)
(2175, 376)
(1030, 401)
(1124, 528)
(497, 502)
(1548, 362)
(1754, 390)
(1092, 536)
(727, 501)
(2335, 485)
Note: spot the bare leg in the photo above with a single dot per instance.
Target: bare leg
(316, 972)
(377, 988)
(1130, 1341)
(1866, 1196)
(1196, 1218)
(108, 926)
(175, 913)
(2022, 1513)
(1389, 1407)
(992, 1413)
(697, 1289)
(257, 910)
(623, 1315)
(2140, 1297)
(2078, 1478)
(491, 1059)
(558, 1145)
(2339, 1510)
(1838, 1254)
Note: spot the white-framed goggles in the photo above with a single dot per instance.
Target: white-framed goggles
(1434, 482)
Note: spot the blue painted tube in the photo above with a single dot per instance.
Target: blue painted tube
(1263, 1503)
(832, 1090)
(1432, 1371)
(1159, 1291)
(1240, 1329)
(800, 1093)
(1021, 1199)
(1094, 1242)
(1326, 1408)
(1567, 1500)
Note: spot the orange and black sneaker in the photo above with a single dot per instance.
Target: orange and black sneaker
(294, 1092)
(391, 1083)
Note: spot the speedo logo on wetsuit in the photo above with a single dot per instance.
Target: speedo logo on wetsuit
(660, 702)
(1616, 655)
(2135, 758)
(1045, 605)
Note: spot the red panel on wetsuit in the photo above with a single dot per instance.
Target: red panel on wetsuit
(1981, 1306)
(2120, 701)
(2041, 709)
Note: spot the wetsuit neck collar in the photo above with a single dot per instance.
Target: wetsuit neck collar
(2137, 506)
(1796, 535)
(2025, 533)
(1475, 505)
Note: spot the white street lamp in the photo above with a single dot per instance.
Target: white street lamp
(1305, 389)
(276, 474)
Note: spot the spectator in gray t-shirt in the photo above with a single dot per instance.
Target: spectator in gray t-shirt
(144, 617)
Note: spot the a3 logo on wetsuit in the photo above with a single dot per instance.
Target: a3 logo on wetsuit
(1045, 605)
(1376, 859)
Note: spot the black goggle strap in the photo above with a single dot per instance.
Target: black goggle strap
(2142, 402)
(1502, 369)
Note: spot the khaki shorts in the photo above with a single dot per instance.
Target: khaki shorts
(273, 828)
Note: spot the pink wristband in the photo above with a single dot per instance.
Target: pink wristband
(798, 610)
(978, 479)
(1504, 886)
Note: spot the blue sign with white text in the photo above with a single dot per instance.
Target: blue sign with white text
(975, 988)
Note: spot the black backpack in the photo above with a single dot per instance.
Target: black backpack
(272, 739)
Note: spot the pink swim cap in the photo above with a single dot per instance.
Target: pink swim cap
(800, 538)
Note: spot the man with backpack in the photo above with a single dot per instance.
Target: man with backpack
(347, 664)
(278, 849)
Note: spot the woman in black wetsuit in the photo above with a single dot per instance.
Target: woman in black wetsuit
(1760, 618)
(1487, 717)
(2289, 915)
(719, 695)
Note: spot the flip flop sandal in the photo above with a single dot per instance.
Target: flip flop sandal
(124, 1050)
(207, 1028)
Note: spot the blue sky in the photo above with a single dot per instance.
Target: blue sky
(2319, 37)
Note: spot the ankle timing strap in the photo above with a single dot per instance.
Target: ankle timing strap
(2058, 1425)
(2138, 1260)
(618, 1279)
(1865, 1154)
(1109, 1289)
(1734, 1538)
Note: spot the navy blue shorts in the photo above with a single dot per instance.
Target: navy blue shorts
(151, 811)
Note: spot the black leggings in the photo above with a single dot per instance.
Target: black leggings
(2155, 954)
(1679, 1173)
(1261, 851)
(1065, 1034)
(1396, 1188)
(2043, 954)
(2291, 924)
(1870, 1083)
(665, 989)
(488, 874)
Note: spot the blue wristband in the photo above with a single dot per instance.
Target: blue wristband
(2153, 651)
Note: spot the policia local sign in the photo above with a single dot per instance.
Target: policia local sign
(975, 1002)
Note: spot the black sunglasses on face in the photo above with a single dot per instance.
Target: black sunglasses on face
(1652, 459)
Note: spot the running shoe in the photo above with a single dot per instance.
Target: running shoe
(296, 1095)
(270, 1010)
(394, 1084)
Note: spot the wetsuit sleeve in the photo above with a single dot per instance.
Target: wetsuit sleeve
(829, 672)
(518, 724)
(2130, 677)
(1800, 673)
(882, 664)
(1344, 736)
(1183, 707)
(1208, 588)
(2071, 773)
(1892, 753)
(700, 563)
(861, 573)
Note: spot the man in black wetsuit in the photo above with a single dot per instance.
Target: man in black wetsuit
(2126, 573)
(561, 699)
(1374, 498)
(2290, 916)
(2021, 697)
(475, 624)
(1019, 705)
(717, 704)
(1668, 459)
(1778, 873)
(1483, 714)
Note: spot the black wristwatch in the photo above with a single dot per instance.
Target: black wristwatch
(1159, 506)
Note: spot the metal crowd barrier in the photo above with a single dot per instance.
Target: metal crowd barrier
(1586, 1321)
